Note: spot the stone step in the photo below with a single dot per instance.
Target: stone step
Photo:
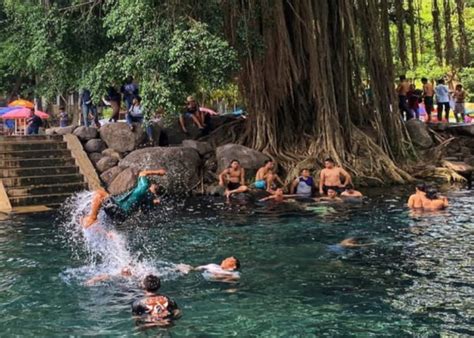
(44, 179)
(45, 189)
(36, 162)
(41, 153)
(30, 146)
(47, 199)
(21, 172)
(31, 138)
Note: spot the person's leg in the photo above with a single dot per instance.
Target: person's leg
(85, 113)
(129, 119)
(29, 131)
(440, 112)
(36, 130)
(115, 111)
(429, 107)
(181, 124)
(269, 180)
(149, 133)
(96, 116)
(417, 113)
(91, 218)
(446, 111)
(197, 122)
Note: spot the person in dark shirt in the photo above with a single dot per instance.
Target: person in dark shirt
(129, 90)
(34, 123)
(88, 107)
(191, 111)
(114, 99)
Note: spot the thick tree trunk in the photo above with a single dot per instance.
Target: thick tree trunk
(463, 40)
(413, 40)
(401, 39)
(449, 52)
(437, 31)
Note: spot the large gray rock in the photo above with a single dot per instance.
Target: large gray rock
(86, 133)
(175, 134)
(123, 182)
(65, 130)
(202, 148)
(106, 163)
(95, 145)
(112, 153)
(419, 134)
(251, 160)
(109, 175)
(120, 138)
(182, 166)
(95, 157)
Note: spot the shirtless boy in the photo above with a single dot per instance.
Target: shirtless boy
(227, 271)
(278, 196)
(331, 197)
(233, 179)
(415, 200)
(351, 192)
(431, 201)
(265, 177)
(330, 178)
(428, 93)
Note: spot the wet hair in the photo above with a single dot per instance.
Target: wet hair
(421, 186)
(459, 86)
(139, 99)
(432, 193)
(403, 77)
(267, 161)
(441, 81)
(329, 159)
(424, 79)
(151, 283)
(234, 160)
(237, 262)
(301, 171)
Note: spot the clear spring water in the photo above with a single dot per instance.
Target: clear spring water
(416, 278)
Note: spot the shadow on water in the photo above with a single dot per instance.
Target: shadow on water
(415, 277)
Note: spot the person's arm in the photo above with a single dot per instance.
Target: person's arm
(271, 197)
(411, 202)
(293, 186)
(222, 177)
(242, 176)
(97, 279)
(321, 182)
(347, 176)
(445, 202)
(159, 172)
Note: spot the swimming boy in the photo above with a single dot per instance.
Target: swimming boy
(431, 201)
(351, 192)
(304, 185)
(330, 178)
(331, 197)
(266, 178)
(277, 196)
(227, 271)
(154, 309)
(415, 200)
(119, 207)
(233, 179)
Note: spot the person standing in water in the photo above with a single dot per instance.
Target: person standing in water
(432, 202)
(415, 200)
(277, 196)
(304, 185)
(233, 179)
(119, 207)
(154, 309)
(330, 178)
(331, 197)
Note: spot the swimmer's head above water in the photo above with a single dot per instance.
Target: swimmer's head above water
(421, 187)
(332, 193)
(431, 193)
(230, 263)
(151, 283)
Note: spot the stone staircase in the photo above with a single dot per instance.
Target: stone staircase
(38, 171)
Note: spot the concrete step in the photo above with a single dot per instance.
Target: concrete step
(45, 189)
(47, 199)
(27, 181)
(21, 172)
(37, 162)
(31, 138)
(42, 153)
(30, 146)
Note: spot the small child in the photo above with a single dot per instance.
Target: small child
(63, 118)
(459, 96)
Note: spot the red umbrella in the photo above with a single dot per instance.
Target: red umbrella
(23, 113)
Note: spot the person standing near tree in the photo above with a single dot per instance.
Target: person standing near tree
(114, 100)
(87, 107)
(413, 101)
(402, 91)
(129, 91)
(330, 178)
(34, 123)
(459, 96)
(442, 100)
(428, 93)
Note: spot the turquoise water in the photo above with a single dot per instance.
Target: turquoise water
(416, 278)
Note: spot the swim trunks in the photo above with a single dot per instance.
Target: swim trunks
(113, 210)
(333, 187)
(233, 185)
(260, 184)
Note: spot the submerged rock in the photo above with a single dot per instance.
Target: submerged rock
(182, 166)
(419, 133)
(120, 138)
(251, 160)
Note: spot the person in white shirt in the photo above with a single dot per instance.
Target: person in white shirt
(226, 272)
(442, 100)
(135, 113)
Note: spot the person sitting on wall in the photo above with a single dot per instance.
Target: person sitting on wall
(233, 179)
(265, 178)
(191, 111)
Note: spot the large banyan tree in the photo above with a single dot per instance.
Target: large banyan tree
(306, 68)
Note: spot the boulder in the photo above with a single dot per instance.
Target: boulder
(419, 133)
(95, 145)
(175, 134)
(95, 157)
(182, 166)
(251, 160)
(120, 138)
(50, 131)
(112, 153)
(105, 163)
(123, 182)
(108, 176)
(65, 130)
(461, 168)
(202, 148)
(86, 133)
